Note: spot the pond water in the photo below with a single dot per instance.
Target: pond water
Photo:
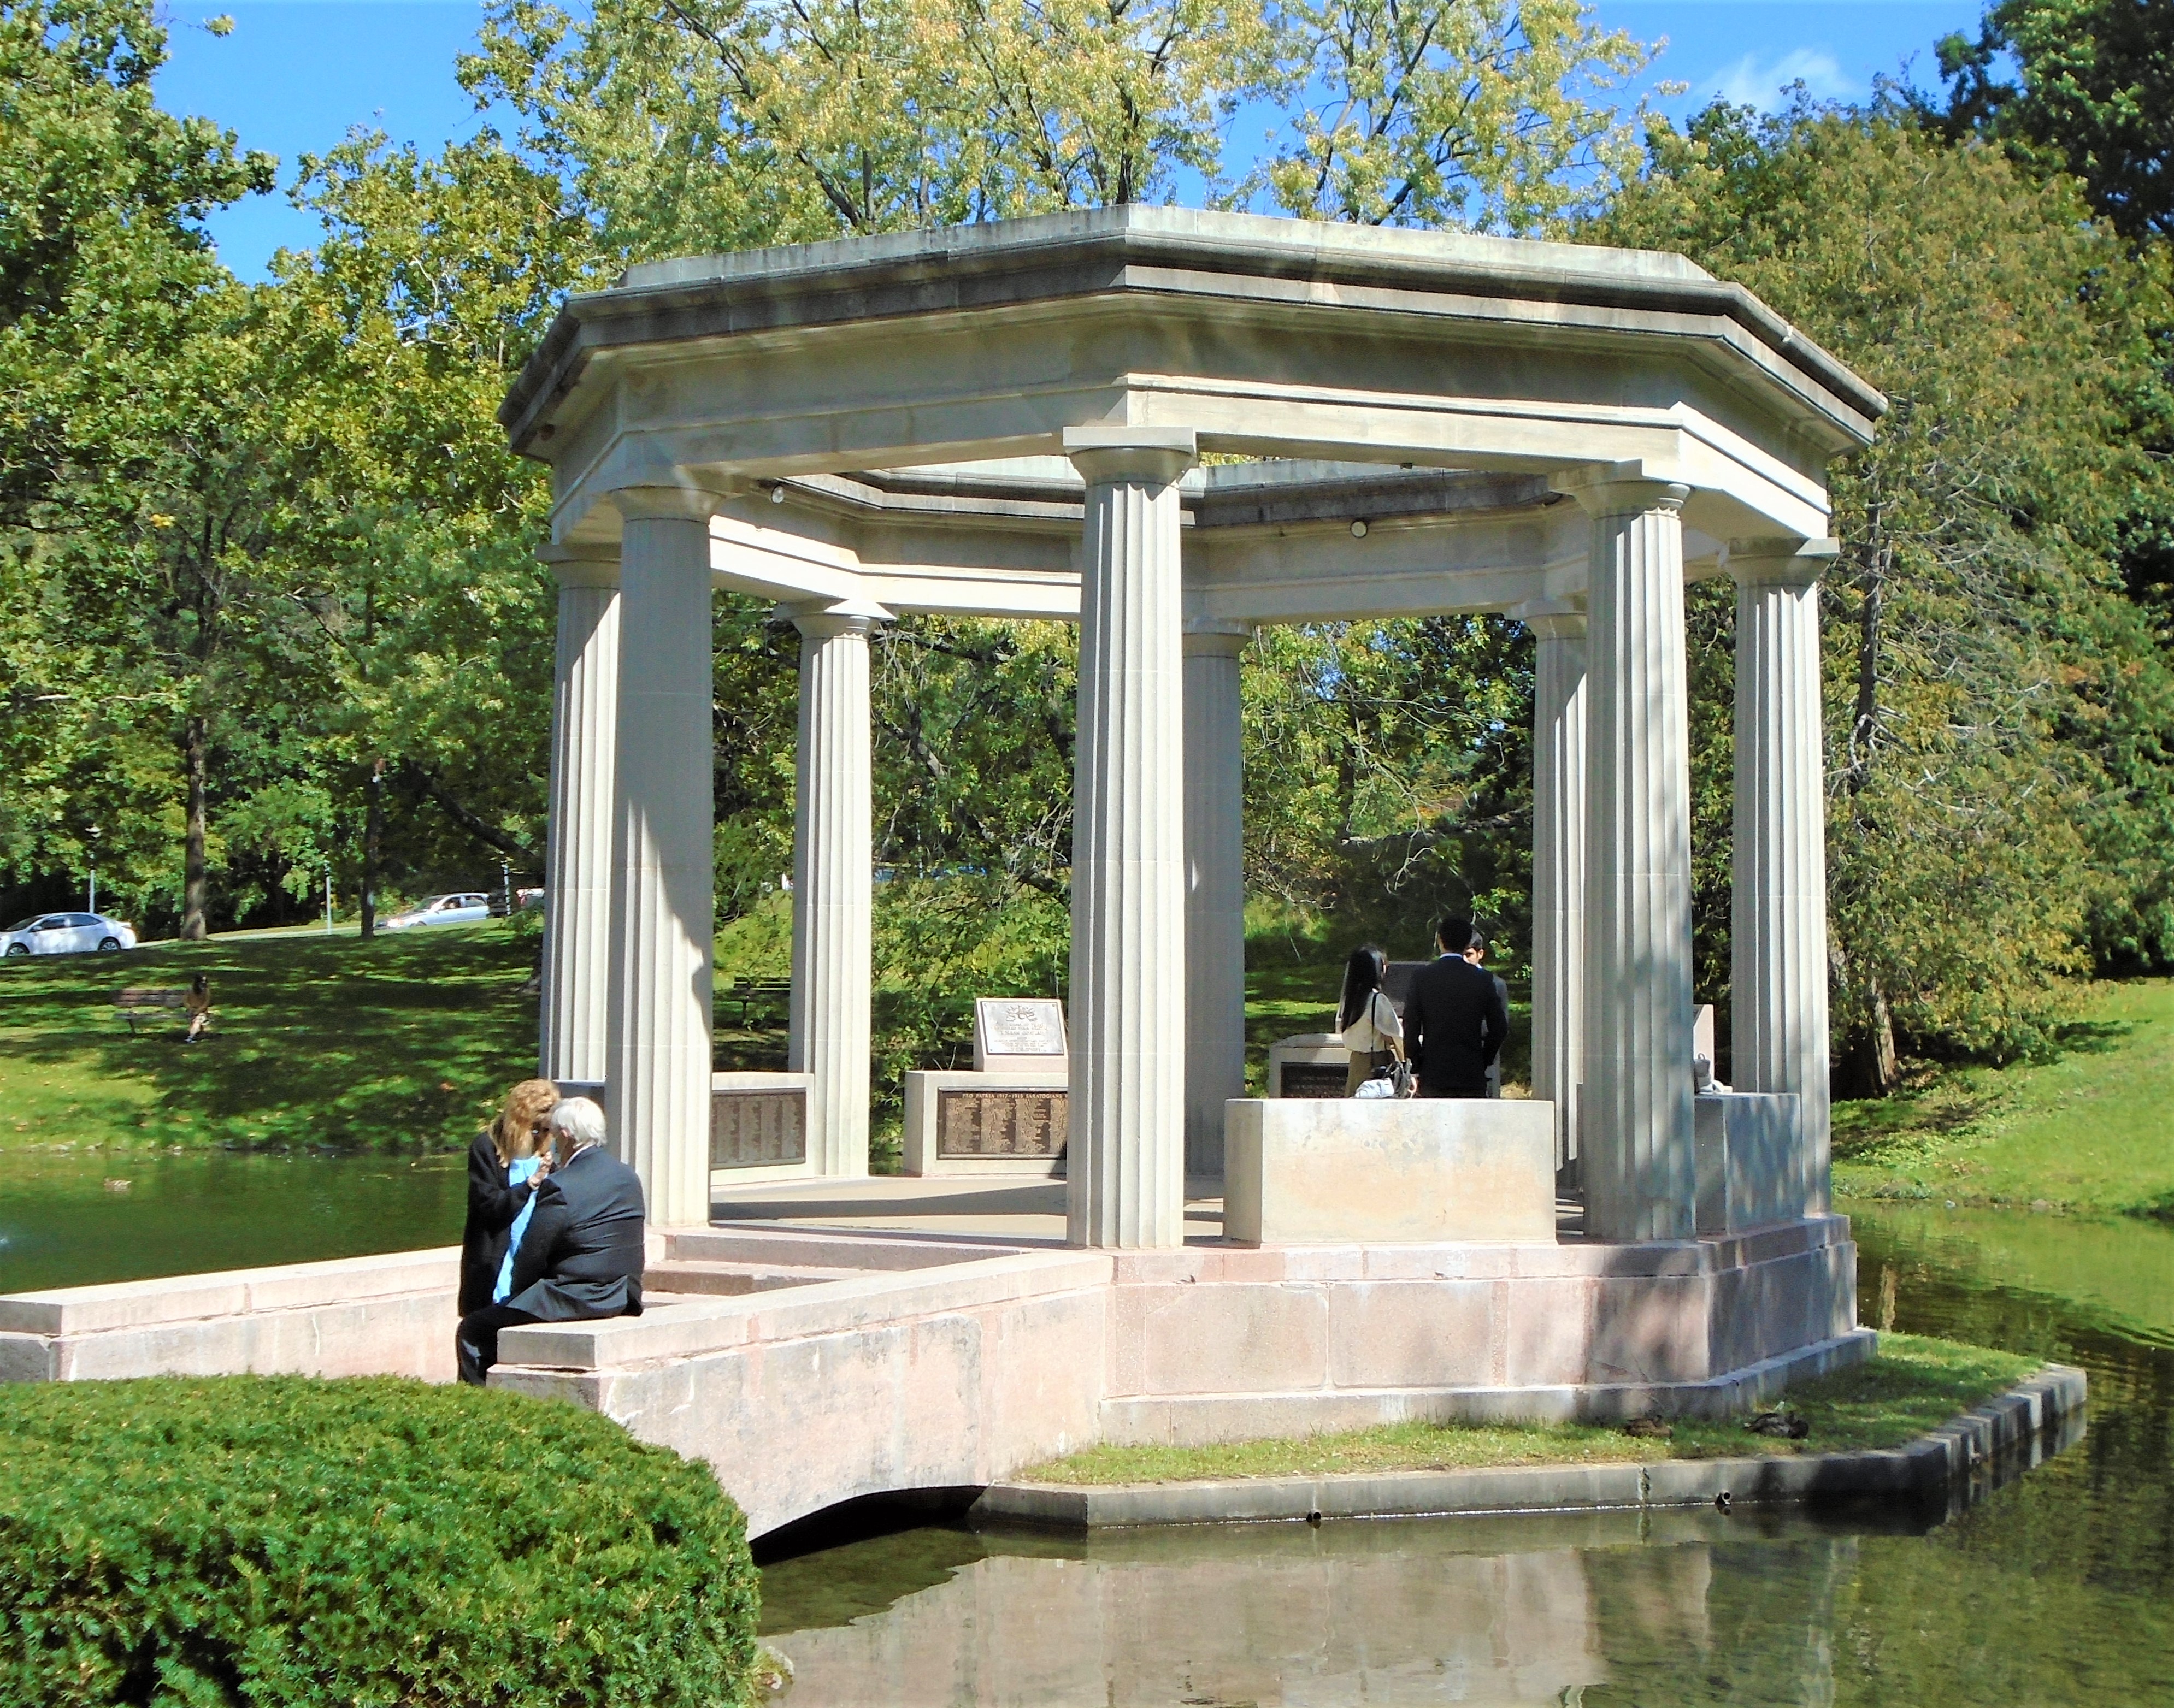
(2055, 1589)
(63, 1226)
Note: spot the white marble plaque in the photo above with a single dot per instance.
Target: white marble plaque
(1009, 1030)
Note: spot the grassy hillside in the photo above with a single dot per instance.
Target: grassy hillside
(2092, 1130)
(402, 1043)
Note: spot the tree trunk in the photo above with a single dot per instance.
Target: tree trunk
(373, 831)
(194, 883)
(1870, 1065)
(1886, 1062)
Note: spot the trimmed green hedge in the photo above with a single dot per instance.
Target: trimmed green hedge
(374, 1544)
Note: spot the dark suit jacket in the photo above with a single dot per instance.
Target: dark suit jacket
(1455, 1021)
(581, 1256)
(492, 1207)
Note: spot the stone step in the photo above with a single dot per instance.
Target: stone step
(714, 1278)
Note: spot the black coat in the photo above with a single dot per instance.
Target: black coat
(582, 1254)
(1455, 1021)
(492, 1206)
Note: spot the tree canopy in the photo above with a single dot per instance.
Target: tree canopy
(270, 610)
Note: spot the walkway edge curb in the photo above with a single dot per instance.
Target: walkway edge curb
(1926, 1468)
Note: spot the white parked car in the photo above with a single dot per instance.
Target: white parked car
(67, 933)
(467, 908)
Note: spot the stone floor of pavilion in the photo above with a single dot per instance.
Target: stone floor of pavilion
(1002, 1209)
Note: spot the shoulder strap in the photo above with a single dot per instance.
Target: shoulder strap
(1395, 1043)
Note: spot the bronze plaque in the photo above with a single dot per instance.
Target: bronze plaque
(1313, 1079)
(749, 1129)
(1001, 1123)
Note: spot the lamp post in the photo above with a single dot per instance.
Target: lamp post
(328, 898)
(91, 906)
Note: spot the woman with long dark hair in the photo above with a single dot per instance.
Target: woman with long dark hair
(1365, 1019)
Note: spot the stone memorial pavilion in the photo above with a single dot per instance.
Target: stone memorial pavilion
(1172, 428)
(1009, 420)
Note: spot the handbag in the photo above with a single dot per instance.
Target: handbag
(1396, 1072)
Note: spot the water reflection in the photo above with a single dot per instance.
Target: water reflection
(1605, 1608)
(2055, 1589)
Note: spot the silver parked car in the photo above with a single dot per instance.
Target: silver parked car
(67, 933)
(468, 907)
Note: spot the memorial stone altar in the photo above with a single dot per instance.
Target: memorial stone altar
(1012, 1115)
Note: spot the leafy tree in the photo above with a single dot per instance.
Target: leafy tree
(717, 124)
(1483, 114)
(114, 318)
(1996, 708)
(2094, 95)
(432, 621)
(1388, 773)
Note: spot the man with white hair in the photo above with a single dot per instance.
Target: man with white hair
(582, 1257)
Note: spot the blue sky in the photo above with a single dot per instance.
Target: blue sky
(296, 75)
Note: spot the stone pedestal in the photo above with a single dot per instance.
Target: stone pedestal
(1127, 1166)
(1389, 1171)
(578, 865)
(1558, 863)
(1636, 1161)
(987, 1123)
(1778, 921)
(833, 858)
(656, 1058)
(1216, 888)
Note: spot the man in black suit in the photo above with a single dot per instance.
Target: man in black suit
(1456, 1017)
(582, 1257)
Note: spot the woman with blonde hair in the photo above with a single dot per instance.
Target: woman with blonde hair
(519, 1137)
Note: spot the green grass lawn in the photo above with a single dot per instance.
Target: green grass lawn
(404, 1043)
(2089, 1131)
(1912, 1385)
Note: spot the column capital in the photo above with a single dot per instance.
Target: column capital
(674, 502)
(1553, 619)
(1215, 637)
(1619, 489)
(1785, 562)
(823, 622)
(582, 563)
(1152, 456)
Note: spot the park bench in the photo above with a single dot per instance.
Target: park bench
(747, 992)
(149, 1003)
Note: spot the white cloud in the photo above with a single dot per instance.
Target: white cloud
(1751, 83)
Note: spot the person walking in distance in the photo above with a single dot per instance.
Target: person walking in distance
(1456, 1017)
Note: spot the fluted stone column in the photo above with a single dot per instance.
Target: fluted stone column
(657, 1056)
(833, 900)
(1216, 888)
(1558, 628)
(1778, 918)
(573, 1016)
(1636, 1161)
(1126, 1163)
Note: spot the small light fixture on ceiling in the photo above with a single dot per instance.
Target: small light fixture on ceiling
(777, 493)
(1358, 530)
